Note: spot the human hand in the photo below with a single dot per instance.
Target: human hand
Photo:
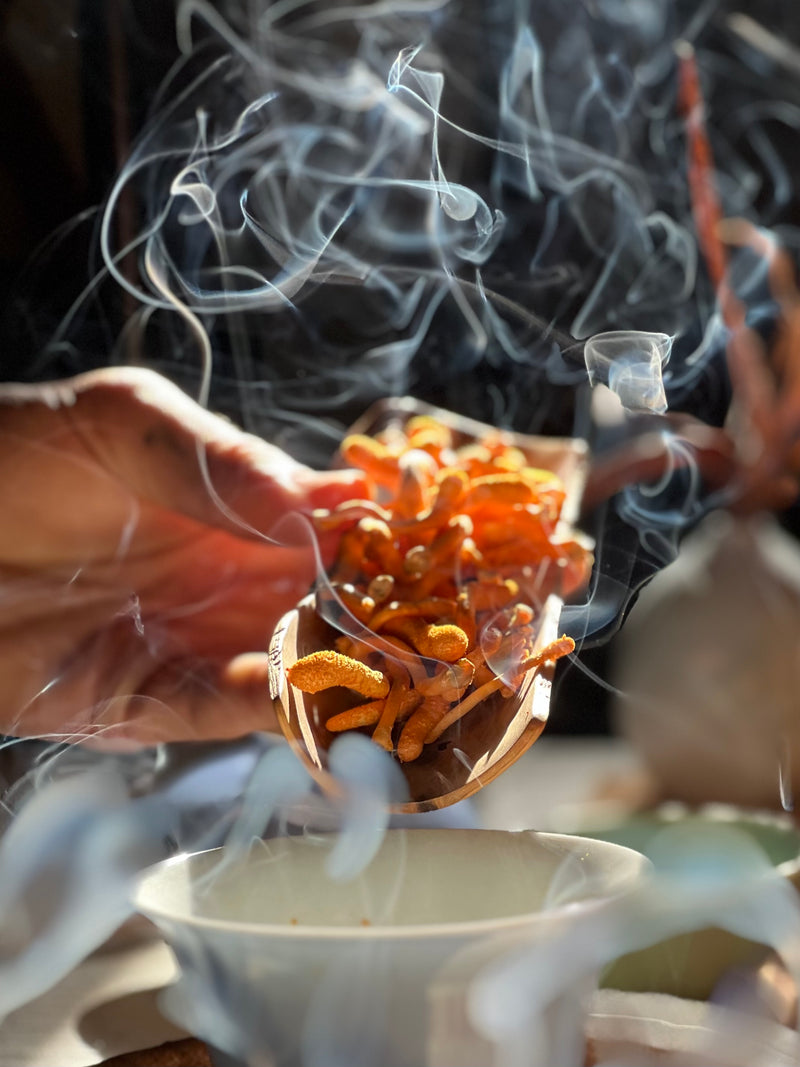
(140, 578)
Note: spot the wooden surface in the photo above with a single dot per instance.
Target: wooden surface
(186, 1053)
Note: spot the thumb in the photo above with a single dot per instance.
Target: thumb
(214, 702)
(181, 701)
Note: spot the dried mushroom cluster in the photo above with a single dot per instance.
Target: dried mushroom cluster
(444, 571)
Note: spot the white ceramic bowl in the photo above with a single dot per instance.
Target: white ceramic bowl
(281, 965)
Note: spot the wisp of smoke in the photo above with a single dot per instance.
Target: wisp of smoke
(483, 204)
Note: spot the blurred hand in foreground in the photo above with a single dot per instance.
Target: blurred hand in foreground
(147, 550)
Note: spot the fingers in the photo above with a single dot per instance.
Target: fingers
(172, 452)
(328, 489)
(185, 702)
(178, 701)
(655, 454)
(134, 679)
(157, 443)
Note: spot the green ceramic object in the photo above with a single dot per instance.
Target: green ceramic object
(691, 965)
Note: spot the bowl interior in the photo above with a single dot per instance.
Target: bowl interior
(419, 878)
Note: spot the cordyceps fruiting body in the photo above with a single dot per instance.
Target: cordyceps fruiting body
(446, 567)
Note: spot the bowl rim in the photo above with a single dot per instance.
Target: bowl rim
(635, 873)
